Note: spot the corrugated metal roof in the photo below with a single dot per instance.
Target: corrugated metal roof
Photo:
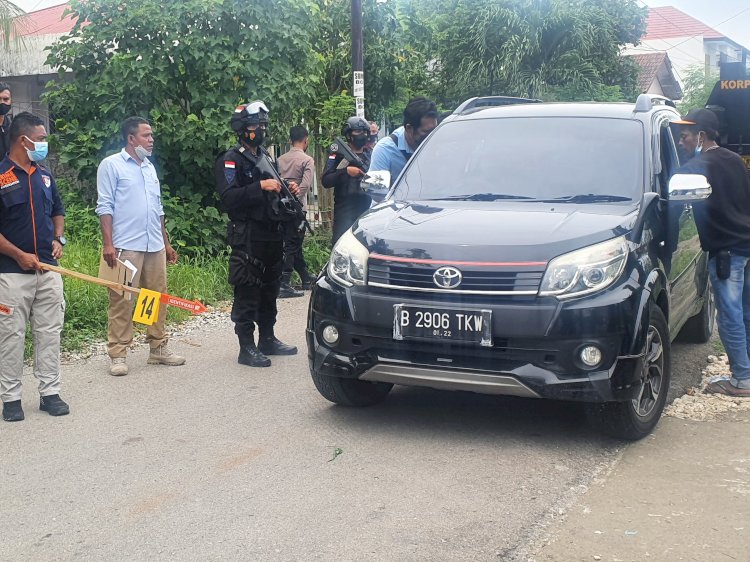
(668, 21)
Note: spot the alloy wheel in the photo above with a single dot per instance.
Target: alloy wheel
(653, 374)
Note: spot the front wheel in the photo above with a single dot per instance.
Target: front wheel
(350, 392)
(636, 418)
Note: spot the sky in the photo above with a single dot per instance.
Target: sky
(735, 14)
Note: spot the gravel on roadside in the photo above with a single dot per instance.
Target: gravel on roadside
(697, 406)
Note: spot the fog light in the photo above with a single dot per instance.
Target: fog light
(330, 334)
(591, 356)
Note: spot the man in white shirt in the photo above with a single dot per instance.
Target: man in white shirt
(132, 222)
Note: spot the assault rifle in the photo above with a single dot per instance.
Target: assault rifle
(341, 148)
(291, 204)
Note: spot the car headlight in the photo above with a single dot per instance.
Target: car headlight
(348, 263)
(586, 270)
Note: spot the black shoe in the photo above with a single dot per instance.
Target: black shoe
(272, 346)
(307, 282)
(252, 357)
(288, 292)
(53, 405)
(12, 411)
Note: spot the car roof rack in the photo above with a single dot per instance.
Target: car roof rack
(646, 102)
(490, 101)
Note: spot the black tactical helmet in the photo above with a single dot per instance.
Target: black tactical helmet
(355, 124)
(252, 113)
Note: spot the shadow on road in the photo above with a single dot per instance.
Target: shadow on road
(421, 413)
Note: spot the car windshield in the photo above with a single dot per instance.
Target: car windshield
(557, 159)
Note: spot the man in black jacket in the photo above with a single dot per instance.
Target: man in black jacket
(723, 222)
(255, 234)
(5, 120)
(349, 199)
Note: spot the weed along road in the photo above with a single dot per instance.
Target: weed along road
(217, 461)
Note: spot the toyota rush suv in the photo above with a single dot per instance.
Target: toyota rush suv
(535, 250)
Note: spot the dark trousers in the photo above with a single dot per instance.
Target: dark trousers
(255, 304)
(294, 259)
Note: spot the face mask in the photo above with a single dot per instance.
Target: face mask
(40, 150)
(259, 137)
(699, 148)
(4, 108)
(359, 142)
(141, 152)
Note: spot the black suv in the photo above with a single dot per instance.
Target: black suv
(535, 250)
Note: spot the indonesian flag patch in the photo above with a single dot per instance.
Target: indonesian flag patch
(229, 164)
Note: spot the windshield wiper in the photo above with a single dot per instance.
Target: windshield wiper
(587, 198)
(479, 197)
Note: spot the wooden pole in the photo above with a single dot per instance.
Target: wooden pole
(91, 279)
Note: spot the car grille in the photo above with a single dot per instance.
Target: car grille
(494, 279)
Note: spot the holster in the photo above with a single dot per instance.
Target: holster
(245, 269)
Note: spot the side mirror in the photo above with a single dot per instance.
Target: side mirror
(377, 184)
(688, 187)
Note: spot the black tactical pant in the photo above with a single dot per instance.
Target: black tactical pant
(294, 259)
(256, 304)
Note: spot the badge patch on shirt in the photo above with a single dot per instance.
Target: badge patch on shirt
(230, 170)
(6, 310)
(8, 179)
(47, 180)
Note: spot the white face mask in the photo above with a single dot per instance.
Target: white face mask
(141, 152)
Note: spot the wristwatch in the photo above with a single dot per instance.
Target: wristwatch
(61, 239)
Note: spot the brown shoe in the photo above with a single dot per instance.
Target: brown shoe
(118, 367)
(723, 386)
(163, 356)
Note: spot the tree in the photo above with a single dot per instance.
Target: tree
(185, 65)
(697, 88)
(12, 23)
(531, 47)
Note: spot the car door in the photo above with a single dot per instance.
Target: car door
(681, 245)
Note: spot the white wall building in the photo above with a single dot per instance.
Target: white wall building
(688, 42)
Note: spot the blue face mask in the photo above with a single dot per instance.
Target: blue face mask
(40, 150)
(699, 148)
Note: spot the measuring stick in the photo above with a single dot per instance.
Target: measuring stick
(196, 307)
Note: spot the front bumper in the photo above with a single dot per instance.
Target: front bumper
(534, 349)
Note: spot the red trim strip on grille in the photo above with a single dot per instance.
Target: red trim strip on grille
(452, 262)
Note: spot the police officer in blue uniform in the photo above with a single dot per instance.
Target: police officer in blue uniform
(31, 233)
(255, 234)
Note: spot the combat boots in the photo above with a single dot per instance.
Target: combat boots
(287, 291)
(251, 356)
(272, 346)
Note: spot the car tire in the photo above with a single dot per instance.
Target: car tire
(635, 419)
(350, 392)
(699, 328)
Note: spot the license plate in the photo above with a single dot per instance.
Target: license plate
(435, 323)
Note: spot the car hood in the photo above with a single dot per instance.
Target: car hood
(476, 231)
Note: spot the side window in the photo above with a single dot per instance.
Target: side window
(668, 160)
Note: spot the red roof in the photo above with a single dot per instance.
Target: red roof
(667, 21)
(48, 21)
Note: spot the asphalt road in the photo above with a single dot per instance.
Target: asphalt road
(216, 461)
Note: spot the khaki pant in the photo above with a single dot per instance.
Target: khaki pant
(35, 297)
(151, 274)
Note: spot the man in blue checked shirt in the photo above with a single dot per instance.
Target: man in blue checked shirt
(132, 223)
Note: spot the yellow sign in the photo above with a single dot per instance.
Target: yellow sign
(147, 307)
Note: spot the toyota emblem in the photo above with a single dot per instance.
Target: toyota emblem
(447, 277)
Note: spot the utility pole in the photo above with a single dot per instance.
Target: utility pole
(358, 81)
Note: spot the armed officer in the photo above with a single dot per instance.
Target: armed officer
(349, 199)
(255, 234)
